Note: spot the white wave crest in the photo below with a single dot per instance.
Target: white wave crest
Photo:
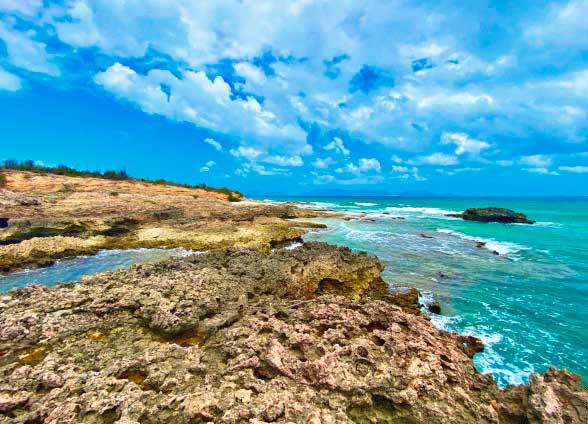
(502, 247)
(422, 211)
(365, 204)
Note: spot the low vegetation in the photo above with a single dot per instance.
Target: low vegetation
(121, 175)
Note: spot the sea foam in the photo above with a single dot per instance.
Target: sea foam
(502, 247)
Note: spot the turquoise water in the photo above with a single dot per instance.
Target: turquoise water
(528, 304)
(68, 270)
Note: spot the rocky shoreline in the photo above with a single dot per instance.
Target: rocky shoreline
(49, 217)
(247, 332)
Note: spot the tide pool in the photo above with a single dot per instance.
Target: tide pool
(72, 269)
(527, 303)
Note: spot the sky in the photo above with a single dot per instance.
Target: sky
(305, 97)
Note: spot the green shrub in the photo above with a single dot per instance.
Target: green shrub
(2, 180)
(114, 193)
(233, 198)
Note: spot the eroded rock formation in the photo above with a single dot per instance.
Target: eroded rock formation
(239, 335)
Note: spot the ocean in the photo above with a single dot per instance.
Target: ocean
(528, 303)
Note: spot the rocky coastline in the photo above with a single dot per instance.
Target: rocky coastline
(246, 332)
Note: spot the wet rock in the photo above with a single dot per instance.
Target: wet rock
(407, 299)
(4, 222)
(434, 307)
(493, 214)
(423, 235)
(471, 345)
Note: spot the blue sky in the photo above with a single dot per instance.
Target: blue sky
(303, 97)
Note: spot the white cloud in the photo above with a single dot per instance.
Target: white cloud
(26, 53)
(455, 99)
(537, 161)
(208, 165)
(196, 99)
(217, 146)
(464, 143)
(397, 168)
(8, 81)
(574, 169)
(324, 179)
(284, 160)
(369, 164)
(436, 159)
(565, 25)
(337, 145)
(250, 72)
(24, 7)
(504, 163)
(250, 153)
(540, 170)
(323, 163)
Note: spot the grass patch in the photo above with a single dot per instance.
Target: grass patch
(2, 180)
(113, 193)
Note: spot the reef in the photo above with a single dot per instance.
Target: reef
(309, 335)
(493, 214)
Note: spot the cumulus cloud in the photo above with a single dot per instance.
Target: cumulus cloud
(250, 153)
(209, 164)
(541, 170)
(369, 164)
(337, 146)
(197, 99)
(8, 81)
(538, 161)
(26, 53)
(215, 144)
(284, 160)
(323, 163)
(574, 169)
(250, 69)
(464, 143)
(23, 7)
(440, 159)
(250, 72)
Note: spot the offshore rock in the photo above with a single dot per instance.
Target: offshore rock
(493, 214)
(240, 335)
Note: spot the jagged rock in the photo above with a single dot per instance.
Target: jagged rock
(240, 335)
(434, 307)
(407, 299)
(492, 214)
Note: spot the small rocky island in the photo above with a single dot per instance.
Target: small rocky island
(245, 332)
(492, 214)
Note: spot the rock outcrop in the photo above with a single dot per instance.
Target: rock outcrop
(492, 214)
(47, 217)
(239, 335)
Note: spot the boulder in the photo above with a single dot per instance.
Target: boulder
(493, 214)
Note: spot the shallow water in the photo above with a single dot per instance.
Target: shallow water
(528, 304)
(68, 270)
